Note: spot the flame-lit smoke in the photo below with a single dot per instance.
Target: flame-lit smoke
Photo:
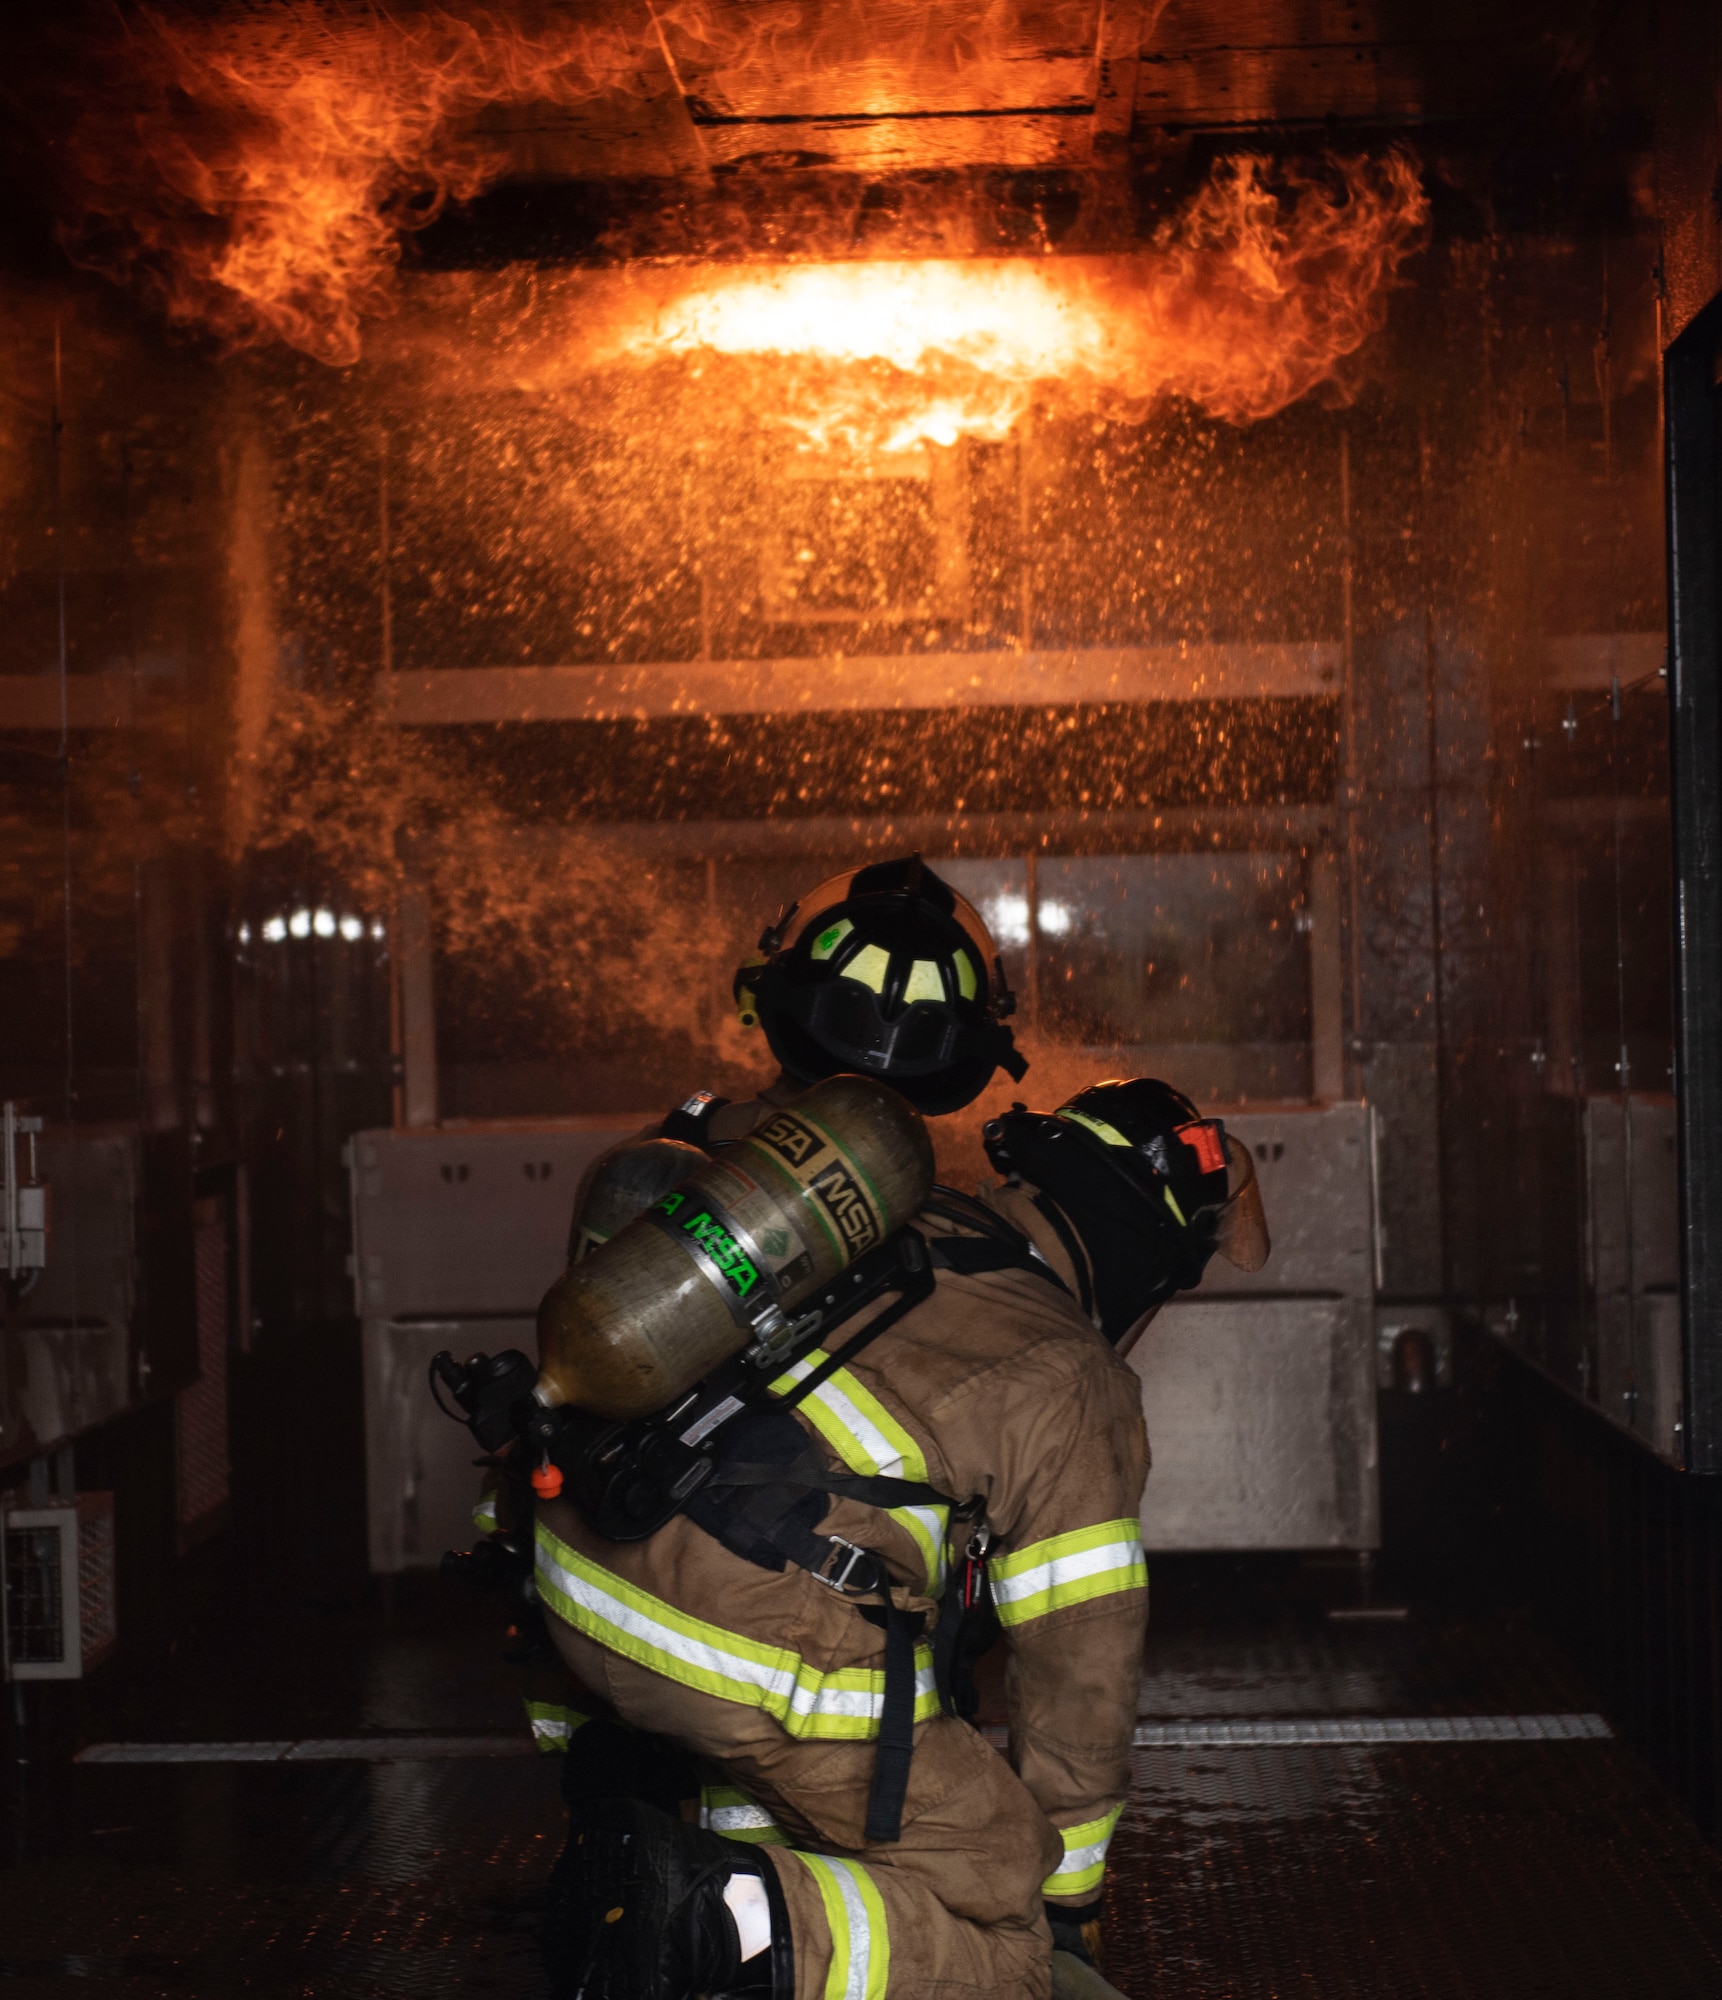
(1249, 300)
(584, 933)
(258, 171)
(260, 175)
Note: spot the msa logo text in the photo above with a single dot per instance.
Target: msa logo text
(790, 1139)
(847, 1206)
(723, 1250)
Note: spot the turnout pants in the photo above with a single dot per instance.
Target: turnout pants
(952, 1911)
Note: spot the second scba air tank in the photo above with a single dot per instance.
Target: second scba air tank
(724, 1258)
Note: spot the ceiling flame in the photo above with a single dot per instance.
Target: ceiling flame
(1252, 298)
(255, 173)
(259, 169)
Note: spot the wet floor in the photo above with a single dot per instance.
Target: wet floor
(1539, 1864)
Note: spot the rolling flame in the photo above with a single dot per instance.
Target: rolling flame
(270, 161)
(263, 169)
(1249, 301)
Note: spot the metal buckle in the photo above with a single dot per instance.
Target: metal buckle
(840, 1579)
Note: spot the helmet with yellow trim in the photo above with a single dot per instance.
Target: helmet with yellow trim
(1151, 1187)
(885, 971)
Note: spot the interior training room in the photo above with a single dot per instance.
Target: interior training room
(501, 498)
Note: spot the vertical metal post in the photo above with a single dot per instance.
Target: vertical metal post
(1032, 898)
(1348, 792)
(1326, 982)
(69, 1091)
(1025, 637)
(386, 600)
(1693, 439)
(413, 968)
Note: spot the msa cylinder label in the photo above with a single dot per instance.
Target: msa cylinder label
(702, 1231)
(827, 1176)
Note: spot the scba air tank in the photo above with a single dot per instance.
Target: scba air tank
(724, 1257)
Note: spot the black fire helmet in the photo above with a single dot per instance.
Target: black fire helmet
(1151, 1186)
(884, 971)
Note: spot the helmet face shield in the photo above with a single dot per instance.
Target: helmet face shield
(887, 972)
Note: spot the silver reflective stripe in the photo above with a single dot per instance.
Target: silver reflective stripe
(846, 1702)
(1083, 1868)
(860, 1929)
(738, 1819)
(1245, 1733)
(1064, 1570)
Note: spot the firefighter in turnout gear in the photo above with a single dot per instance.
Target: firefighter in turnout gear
(796, 1642)
(883, 970)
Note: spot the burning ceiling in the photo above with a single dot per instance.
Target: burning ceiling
(599, 450)
(271, 164)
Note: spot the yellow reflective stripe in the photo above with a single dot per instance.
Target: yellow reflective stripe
(843, 1704)
(1083, 1868)
(927, 1528)
(925, 982)
(828, 940)
(1100, 1127)
(1068, 1569)
(484, 1513)
(727, 1810)
(854, 1422)
(855, 1917)
(869, 1440)
(868, 967)
(553, 1723)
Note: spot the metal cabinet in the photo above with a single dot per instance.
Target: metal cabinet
(1259, 1388)
(1261, 1418)
(67, 1363)
(1632, 1255)
(458, 1232)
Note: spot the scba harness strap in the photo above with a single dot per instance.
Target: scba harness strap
(773, 1486)
(758, 1483)
(766, 1508)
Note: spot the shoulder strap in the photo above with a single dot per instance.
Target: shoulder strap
(690, 1122)
(991, 1245)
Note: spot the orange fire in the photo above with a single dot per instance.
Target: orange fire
(257, 172)
(268, 162)
(1242, 306)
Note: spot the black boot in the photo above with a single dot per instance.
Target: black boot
(637, 1911)
(769, 1974)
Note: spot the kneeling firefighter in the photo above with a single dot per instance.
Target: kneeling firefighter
(770, 1572)
(882, 970)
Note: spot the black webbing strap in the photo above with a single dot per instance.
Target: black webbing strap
(690, 1122)
(811, 1472)
(1072, 1249)
(896, 1747)
(916, 1279)
(992, 1245)
(853, 1572)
